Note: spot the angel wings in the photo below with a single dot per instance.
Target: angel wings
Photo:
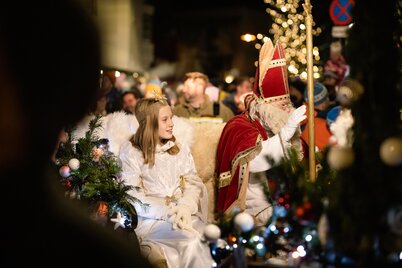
(118, 127)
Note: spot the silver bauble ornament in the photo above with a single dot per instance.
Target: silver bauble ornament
(64, 171)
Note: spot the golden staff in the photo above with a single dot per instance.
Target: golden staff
(310, 87)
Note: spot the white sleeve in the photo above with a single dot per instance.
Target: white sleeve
(271, 148)
(195, 193)
(256, 200)
(132, 161)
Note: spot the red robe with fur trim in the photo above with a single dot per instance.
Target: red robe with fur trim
(239, 143)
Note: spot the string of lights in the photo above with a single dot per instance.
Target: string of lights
(288, 28)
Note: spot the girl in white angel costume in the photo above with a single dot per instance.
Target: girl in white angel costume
(164, 176)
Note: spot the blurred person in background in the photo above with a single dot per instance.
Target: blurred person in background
(130, 99)
(296, 91)
(321, 107)
(330, 81)
(44, 228)
(242, 85)
(112, 93)
(196, 104)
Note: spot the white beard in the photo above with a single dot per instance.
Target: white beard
(273, 119)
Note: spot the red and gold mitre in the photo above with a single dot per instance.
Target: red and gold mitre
(271, 80)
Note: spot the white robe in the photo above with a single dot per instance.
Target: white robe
(256, 201)
(181, 248)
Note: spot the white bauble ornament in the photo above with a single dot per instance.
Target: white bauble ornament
(212, 232)
(391, 151)
(64, 171)
(74, 163)
(340, 157)
(243, 222)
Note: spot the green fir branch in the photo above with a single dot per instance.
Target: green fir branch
(96, 179)
(94, 125)
(293, 175)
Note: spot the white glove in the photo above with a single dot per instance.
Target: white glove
(294, 120)
(180, 216)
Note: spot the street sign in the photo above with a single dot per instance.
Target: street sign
(340, 31)
(340, 11)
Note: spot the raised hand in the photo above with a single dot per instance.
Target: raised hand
(294, 120)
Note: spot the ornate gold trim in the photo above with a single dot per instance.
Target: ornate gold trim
(243, 157)
(182, 183)
(224, 179)
(277, 63)
(169, 199)
(276, 98)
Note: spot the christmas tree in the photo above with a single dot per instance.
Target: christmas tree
(293, 233)
(288, 28)
(91, 173)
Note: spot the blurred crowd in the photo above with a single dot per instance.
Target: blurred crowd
(199, 99)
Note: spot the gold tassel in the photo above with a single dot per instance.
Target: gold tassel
(182, 183)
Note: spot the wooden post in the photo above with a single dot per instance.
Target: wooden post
(310, 87)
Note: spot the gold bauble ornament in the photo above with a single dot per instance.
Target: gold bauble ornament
(349, 91)
(391, 151)
(340, 157)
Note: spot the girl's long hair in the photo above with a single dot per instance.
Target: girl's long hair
(147, 137)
